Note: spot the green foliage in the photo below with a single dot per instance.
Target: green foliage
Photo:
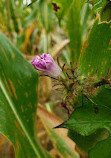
(103, 7)
(31, 17)
(96, 52)
(74, 30)
(61, 7)
(45, 10)
(13, 16)
(86, 143)
(106, 12)
(35, 29)
(90, 117)
(102, 149)
(97, 4)
(18, 101)
(33, 1)
(94, 114)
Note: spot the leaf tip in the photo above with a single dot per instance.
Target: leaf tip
(60, 126)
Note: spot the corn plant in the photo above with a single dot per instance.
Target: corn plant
(68, 43)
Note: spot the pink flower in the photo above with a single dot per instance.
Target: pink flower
(46, 64)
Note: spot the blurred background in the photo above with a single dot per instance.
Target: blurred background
(37, 27)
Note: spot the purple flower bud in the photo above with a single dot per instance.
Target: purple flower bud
(46, 64)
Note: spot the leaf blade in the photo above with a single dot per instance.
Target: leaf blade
(96, 53)
(74, 31)
(18, 89)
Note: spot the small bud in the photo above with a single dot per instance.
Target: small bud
(46, 64)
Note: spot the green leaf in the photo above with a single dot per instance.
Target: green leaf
(96, 53)
(13, 15)
(18, 101)
(45, 10)
(31, 17)
(90, 117)
(62, 145)
(102, 149)
(86, 14)
(74, 30)
(61, 7)
(85, 143)
(106, 12)
(28, 20)
(33, 1)
(97, 4)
